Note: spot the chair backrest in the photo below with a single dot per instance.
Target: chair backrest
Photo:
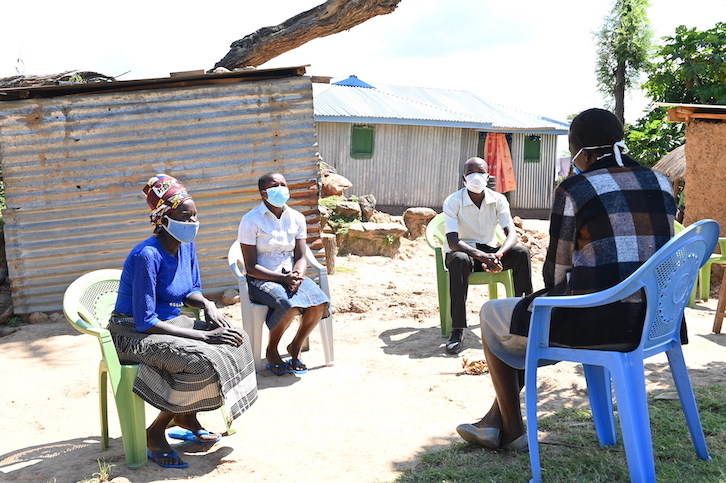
(667, 279)
(436, 237)
(670, 276)
(316, 271)
(90, 299)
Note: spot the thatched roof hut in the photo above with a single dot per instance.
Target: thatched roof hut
(673, 165)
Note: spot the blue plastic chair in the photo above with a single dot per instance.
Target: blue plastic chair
(667, 279)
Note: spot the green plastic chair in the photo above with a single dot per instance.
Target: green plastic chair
(87, 304)
(436, 239)
(704, 275)
(703, 287)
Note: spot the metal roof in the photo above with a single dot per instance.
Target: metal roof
(424, 106)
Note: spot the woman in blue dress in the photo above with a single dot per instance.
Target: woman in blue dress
(186, 365)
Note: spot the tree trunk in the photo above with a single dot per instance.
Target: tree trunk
(331, 17)
(619, 91)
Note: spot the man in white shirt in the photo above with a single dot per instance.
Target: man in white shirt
(472, 215)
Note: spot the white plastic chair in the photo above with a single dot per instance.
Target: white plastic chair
(253, 315)
(667, 279)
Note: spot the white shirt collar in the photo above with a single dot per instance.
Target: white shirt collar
(488, 197)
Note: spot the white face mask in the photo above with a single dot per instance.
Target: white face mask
(618, 147)
(476, 182)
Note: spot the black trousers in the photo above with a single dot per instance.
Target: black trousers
(461, 265)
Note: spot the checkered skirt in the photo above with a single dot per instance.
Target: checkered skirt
(184, 376)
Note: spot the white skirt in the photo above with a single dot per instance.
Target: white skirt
(496, 319)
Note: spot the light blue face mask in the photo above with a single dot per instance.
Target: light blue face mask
(184, 231)
(278, 195)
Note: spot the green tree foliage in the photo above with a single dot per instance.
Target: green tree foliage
(652, 136)
(623, 49)
(690, 69)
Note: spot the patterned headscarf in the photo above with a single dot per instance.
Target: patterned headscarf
(163, 194)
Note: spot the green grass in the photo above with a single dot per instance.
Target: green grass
(103, 475)
(570, 452)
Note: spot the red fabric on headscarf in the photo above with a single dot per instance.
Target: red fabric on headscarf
(163, 194)
(499, 159)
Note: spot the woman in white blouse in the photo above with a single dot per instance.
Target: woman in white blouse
(273, 240)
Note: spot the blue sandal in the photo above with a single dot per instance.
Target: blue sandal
(191, 436)
(279, 369)
(173, 455)
(296, 365)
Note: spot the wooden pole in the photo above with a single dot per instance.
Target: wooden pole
(331, 250)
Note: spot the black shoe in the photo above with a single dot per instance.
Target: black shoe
(455, 343)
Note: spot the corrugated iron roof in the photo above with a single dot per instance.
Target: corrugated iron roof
(74, 166)
(387, 104)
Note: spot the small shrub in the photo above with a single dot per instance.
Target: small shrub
(331, 201)
(16, 321)
(339, 224)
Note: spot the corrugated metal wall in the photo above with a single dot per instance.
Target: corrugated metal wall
(535, 181)
(74, 167)
(411, 165)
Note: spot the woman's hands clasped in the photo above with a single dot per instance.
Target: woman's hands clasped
(293, 280)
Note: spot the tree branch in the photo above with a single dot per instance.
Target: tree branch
(331, 17)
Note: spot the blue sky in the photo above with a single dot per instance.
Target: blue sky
(532, 55)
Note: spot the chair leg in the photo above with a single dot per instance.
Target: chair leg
(530, 399)
(326, 336)
(692, 298)
(629, 381)
(721, 307)
(132, 419)
(444, 304)
(493, 291)
(254, 331)
(688, 400)
(704, 280)
(601, 401)
(103, 402)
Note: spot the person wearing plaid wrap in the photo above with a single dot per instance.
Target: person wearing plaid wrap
(186, 365)
(606, 221)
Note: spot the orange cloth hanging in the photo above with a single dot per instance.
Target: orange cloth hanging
(499, 159)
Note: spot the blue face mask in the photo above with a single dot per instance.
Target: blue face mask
(184, 231)
(278, 195)
(572, 162)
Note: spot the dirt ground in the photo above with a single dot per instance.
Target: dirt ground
(392, 394)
